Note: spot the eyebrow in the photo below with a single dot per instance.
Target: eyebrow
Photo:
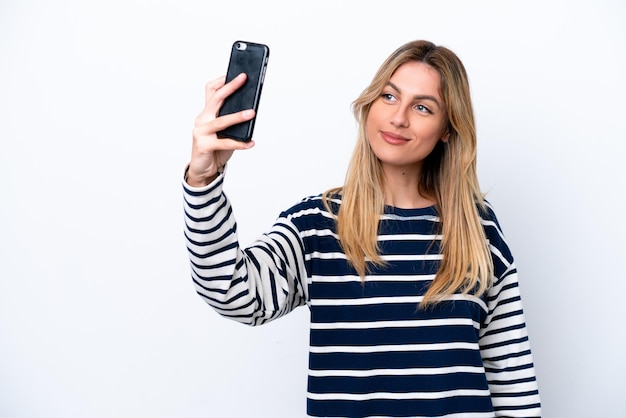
(418, 96)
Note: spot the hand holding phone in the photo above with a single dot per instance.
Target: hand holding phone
(209, 153)
(249, 58)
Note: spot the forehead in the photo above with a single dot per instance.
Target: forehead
(415, 77)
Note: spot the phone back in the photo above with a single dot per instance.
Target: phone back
(250, 58)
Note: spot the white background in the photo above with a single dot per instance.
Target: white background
(98, 315)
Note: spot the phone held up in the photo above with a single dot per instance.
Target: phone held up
(250, 58)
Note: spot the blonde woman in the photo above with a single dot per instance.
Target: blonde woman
(413, 292)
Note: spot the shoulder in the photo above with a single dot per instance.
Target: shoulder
(493, 229)
(311, 214)
(313, 206)
(488, 214)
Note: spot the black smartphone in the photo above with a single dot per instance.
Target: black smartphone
(250, 58)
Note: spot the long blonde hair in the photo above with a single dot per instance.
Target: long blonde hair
(448, 176)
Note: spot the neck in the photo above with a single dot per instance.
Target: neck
(401, 188)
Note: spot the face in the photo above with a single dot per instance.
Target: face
(407, 120)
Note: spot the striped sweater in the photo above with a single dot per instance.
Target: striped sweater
(373, 352)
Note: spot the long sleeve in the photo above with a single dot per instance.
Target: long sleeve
(253, 285)
(504, 342)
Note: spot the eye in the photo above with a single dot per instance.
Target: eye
(388, 97)
(422, 109)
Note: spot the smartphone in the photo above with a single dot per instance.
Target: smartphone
(250, 58)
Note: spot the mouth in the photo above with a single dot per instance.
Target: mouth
(393, 139)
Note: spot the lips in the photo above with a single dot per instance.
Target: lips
(393, 139)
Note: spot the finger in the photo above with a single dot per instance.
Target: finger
(218, 89)
(233, 144)
(218, 149)
(207, 120)
(206, 132)
(232, 119)
(212, 86)
(227, 89)
(203, 146)
(215, 93)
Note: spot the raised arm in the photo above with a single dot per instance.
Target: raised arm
(252, 285)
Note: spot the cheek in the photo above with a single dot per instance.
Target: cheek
(376, 118)
(437, 130)
(370, 126)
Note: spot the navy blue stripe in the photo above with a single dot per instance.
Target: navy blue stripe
(224, 310)
(515, 395)
(396, 311)
(221, 238)
(504, 343)
(510, 369)
(219, 302)
(370, 289)
(396, 384)
(204, 204)
(512, 382)
(399, 408)
(496, 331)
(212, 253)
(215, 280)
(208, 191)
(402, 247)
(395, 335)
(209, 218)
(520, 408)
(395, 360)
(507, 315)
(507, 356)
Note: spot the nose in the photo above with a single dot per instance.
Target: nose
(399, 118)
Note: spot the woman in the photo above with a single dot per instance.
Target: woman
(413, 292)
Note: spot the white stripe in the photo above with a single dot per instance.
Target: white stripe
(495, 251)
(430, 371)
(412, 257)
(391, 299)
(392, 257)
(492, 224)
(470, 298)
(503, 402)
(392, 348)
(395, 324)
(409, 237)
(391, 395)
(318, 233)
(460, 415)
(367, 301)
(336, 279)
(373, 279)
(395, 278)
(325, 256)
(394, 217)
(310, 211)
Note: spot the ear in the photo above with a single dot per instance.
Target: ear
(445, 135)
